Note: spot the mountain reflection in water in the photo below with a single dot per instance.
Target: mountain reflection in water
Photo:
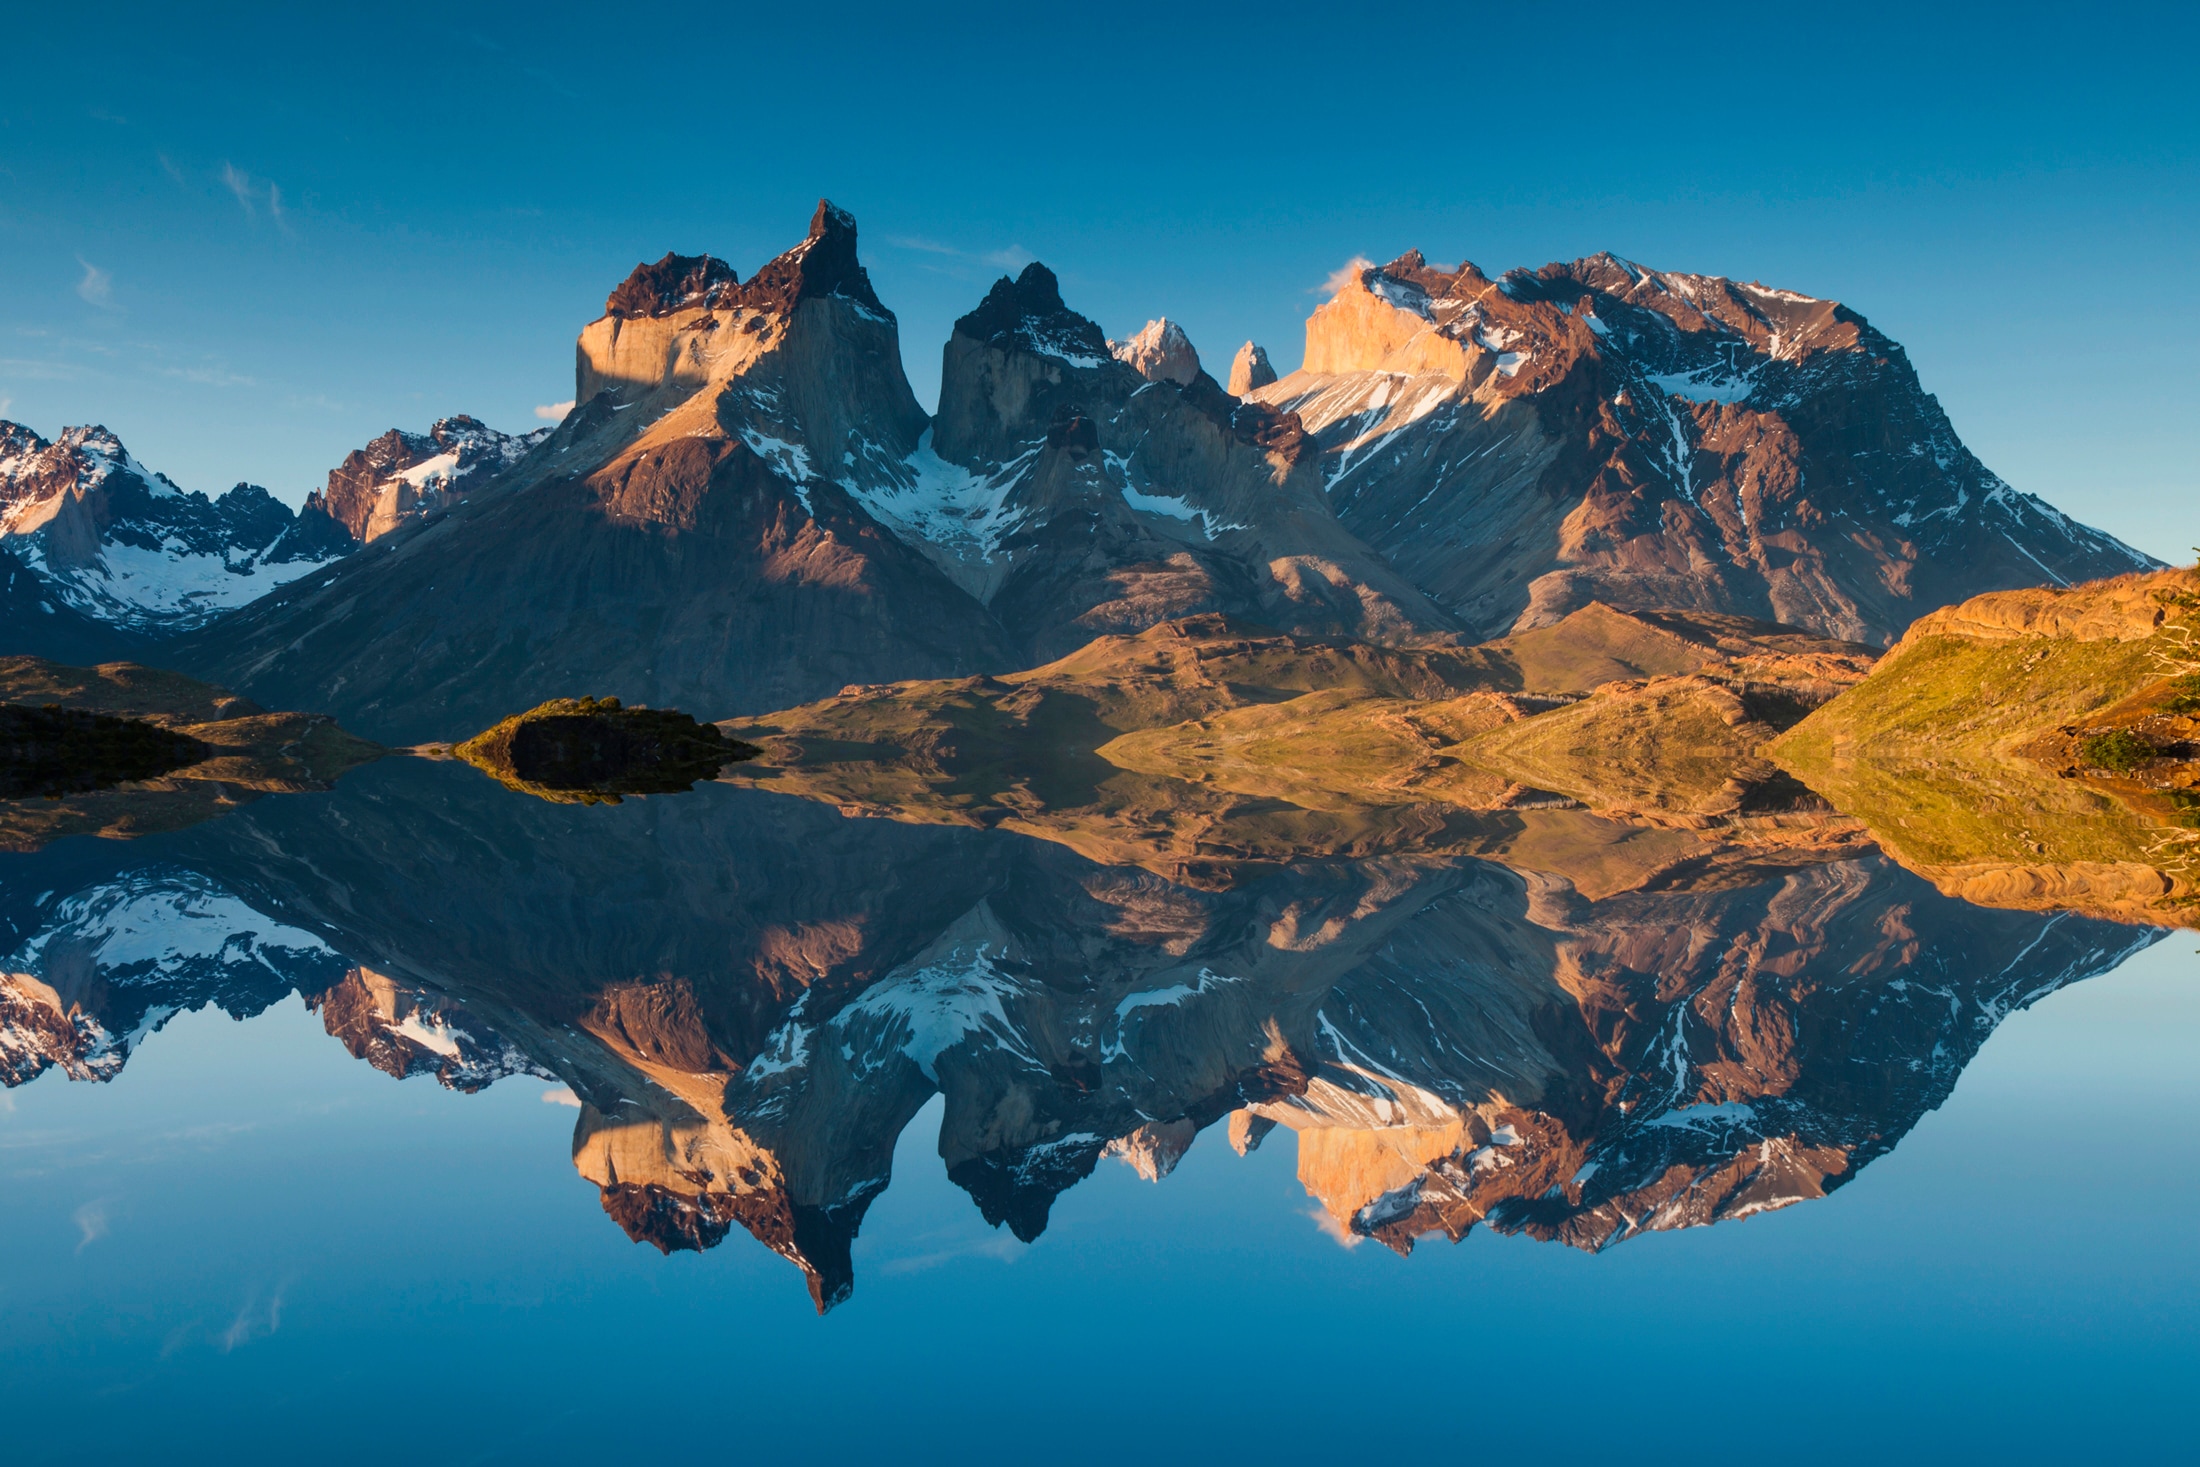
(752, 996)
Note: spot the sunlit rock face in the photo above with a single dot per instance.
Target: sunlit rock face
(689, 535)
(1250, 369)
(106, 545)
(402, 477)
(1159, 352)
(1599, 431)
(750, 998)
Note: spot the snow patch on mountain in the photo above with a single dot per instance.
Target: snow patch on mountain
(934, 502)
(113, 540)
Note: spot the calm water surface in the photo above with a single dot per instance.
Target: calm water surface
(1815, 1166)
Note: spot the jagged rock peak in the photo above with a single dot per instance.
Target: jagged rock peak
(401, 476)
(1027, 314)
(1250, 369)
(824, 264)
(1159, 353)
(674, 283)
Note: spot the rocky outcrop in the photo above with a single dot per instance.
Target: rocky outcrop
(111, 543)
(1598, 431)
(1160, 352)
(401, 477)
(1250, 370)
(2037, 749)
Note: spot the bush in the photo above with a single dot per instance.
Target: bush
(2119, 751)
(2185, 694)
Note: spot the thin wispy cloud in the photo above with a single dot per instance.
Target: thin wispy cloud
(1345, 274)
(97, 288)
(1337, 1231)
(208, 376)
(175, 174)
(560, 1094)
(253, 1322)
(1002, 1247)
(553, 412)
(240, 183)
(1010, 257)
(91, 1222)
(253, 194)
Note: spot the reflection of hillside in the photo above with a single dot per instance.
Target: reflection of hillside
(751, 997)
(239, 751)
(1965, 750)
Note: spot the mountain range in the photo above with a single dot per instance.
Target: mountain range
(747, 508)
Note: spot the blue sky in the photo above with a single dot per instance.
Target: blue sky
(249, 241)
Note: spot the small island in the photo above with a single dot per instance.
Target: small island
(590, 751)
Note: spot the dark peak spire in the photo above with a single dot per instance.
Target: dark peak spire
(1027, 314)
(830, 218)
(824, 264)
(674, 283)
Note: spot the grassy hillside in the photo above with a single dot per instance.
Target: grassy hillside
(1963, 750)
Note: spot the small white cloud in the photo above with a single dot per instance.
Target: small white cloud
(97, 287)
(560, 1094)
(91, 1221)
(240, 183)
(1015, 257)
(1346, 274)
(1338, 1232)
(553, 412)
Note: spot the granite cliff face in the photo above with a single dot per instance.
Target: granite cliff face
(689, 535)
(1599, 431)
(110, 544)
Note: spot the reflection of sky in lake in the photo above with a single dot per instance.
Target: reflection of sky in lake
(251, 1247)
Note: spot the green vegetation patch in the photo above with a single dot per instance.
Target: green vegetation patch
(2119, 751)
(591, 751)
(50, 751)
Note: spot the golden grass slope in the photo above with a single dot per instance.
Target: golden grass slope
(1956, 751)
